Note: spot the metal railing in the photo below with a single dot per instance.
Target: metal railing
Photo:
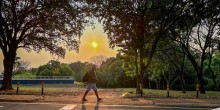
(41, 78)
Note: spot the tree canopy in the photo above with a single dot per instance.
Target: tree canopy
(148, 32)
(53, 25)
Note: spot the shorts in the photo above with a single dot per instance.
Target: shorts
(91, 86)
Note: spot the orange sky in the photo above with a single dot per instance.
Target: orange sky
(86, 51)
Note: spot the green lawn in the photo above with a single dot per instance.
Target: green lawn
(72, 89)
(49, 89)
(152, 93)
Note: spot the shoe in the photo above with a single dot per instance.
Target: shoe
(84, 100)
(99, 99)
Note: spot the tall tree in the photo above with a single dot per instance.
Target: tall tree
(213, 67)
(197, 27)
(138, 26)
(128, 25)
(36, 25)
(174, 60)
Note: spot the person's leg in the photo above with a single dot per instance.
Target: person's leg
(84, 96)
(96, 92)
(97, 95)
(89, 87)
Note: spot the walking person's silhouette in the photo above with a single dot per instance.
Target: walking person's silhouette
(92, 80)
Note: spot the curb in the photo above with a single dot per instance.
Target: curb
(191, 105)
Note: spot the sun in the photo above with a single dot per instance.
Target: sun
(94, 44)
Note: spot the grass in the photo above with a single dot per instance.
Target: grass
(49, 89)
(152, 93)
(77, 87)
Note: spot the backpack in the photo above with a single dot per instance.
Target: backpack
(86, 77)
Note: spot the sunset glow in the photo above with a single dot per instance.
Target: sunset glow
(94, 44)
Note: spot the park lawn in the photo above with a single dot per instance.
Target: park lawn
(49, 89)
(78, 87)
(153, 93)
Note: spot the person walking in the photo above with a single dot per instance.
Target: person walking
(92, 80)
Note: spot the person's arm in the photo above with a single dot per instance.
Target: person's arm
(96, 76)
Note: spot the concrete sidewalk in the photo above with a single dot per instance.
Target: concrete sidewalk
(196, 103)
(90, 106)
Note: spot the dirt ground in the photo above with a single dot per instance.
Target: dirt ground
(109, 96)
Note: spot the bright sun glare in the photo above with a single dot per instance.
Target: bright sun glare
(94, 44)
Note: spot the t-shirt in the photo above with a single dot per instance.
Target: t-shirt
(92, 77)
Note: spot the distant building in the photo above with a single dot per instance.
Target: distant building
(1, 75)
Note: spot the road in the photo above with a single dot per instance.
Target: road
(87, 106)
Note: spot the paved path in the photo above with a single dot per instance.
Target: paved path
(89, 106)
(97, 106)
(30, 106)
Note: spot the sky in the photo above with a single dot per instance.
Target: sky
(94, 42)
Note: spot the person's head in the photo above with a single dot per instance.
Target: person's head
(93, 67)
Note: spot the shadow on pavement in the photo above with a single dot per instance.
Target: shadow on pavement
(95, 108)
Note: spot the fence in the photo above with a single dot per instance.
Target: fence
(40, 79)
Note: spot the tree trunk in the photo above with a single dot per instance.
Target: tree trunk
(218, 86)
(213, 75)
(199, 72)
(137, 86)
(149, 84)
(156, 84)
(9, 59)
(163, 85)
(159, 84)
(142, 68)
(182, 81)
(210, 68)
(201, 82)
(136, 72)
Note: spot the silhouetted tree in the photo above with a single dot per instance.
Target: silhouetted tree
(36, 25)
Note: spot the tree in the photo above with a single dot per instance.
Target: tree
(138, 26)
(130, 25)
(98, 60)
(216, 69)
(65, 70)
(55, 68)
(173, 56)
(79, 69)
(21, 64)
(36, 25)
(17, 63)
(104, 74)
(112, 74)
(195, 31)
(213, 67)
(156, 73)
(26, 75)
